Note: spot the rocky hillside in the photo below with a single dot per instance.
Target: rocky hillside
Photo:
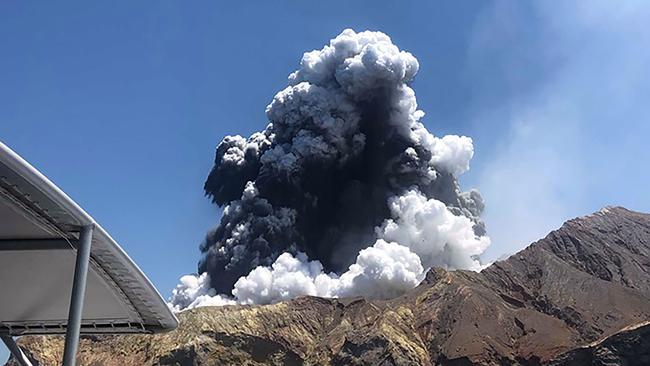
(628, 347)
(579, 295)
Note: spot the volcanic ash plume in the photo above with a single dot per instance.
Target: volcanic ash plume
(344, 192)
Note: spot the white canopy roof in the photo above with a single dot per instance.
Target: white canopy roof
(39, 228)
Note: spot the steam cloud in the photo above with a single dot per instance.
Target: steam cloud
(344, 170)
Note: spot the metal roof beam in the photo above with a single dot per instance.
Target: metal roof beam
(36, 244)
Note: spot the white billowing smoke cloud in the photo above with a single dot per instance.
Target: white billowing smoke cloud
(344, 140)
(451, 152)
(431, 231)
(383, 270)
(194, 291)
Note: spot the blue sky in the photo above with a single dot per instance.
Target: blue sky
(122, 103)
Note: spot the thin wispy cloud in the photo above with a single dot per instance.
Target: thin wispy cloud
(572, 81)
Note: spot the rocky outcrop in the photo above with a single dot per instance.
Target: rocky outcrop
(629, 347)
(569, 297)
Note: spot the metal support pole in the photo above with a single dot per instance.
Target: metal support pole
(16, 351)
(77, 298)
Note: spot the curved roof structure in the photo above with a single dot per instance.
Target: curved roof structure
(39, 233)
